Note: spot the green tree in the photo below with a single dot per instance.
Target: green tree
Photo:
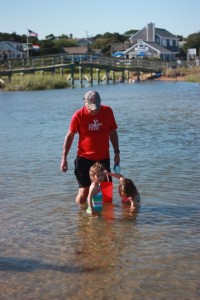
(130, 32)
(104, 41)
(50, 37)
(13, 37)
(63, 36)
(193, 41)
(47, 47)
(61, 43)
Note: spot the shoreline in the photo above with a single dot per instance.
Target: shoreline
(164, 78)
(57, 82)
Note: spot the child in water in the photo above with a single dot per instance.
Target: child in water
(95, 202)
(127, 191)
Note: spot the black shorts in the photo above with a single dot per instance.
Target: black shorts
(81, 170)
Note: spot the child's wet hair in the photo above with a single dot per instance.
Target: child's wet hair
(127, 188)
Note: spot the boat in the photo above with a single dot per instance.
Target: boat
(155, 75)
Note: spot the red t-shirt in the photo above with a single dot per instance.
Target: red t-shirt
(94, 132)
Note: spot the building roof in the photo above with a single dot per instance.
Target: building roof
(88, 40)
(159, 47)
(152, 45)
(80, 50)
(159, 31)
(164, 33)
(76, 50)
(13, 47)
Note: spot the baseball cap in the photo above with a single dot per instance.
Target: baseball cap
(93, 100)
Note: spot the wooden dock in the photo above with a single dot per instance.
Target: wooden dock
(78, 64)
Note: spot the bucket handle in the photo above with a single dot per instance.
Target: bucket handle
(107, 176)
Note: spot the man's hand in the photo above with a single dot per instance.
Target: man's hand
(64, 165)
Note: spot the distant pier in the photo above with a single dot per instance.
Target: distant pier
(78, 64)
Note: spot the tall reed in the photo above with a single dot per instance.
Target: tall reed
(36, 82)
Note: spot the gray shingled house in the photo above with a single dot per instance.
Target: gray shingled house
(152, 42)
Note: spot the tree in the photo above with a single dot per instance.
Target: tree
(47, 47)
(50, 37)
(63, 42)
(130, 32)
(104, 41)
(193, 41)
(181, 38)
(13, 37)
(63, 36)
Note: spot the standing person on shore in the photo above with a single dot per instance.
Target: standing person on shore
(96, 126)
(5, 56)
(4, 59)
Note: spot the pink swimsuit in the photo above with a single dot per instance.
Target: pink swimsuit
(124, 199)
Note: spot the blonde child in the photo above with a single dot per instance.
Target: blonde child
(95, 202)
(127, 191)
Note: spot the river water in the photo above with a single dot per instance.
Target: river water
(51, 249)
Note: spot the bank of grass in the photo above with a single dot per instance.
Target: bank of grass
(45, 81)
(34, 82)
(189, 74)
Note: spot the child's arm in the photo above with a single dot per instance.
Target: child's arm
(134, 205)
(91, 194)
(118, 176)
(132, 208)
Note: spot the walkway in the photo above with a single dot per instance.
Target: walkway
(71, 62)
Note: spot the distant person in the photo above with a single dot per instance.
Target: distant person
(5, 57)
(4, 60)
(127, 191)
(96, 126)
(95, 202)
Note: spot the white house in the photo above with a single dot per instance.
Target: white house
(13, 49)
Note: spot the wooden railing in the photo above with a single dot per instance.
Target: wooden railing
(65, 60)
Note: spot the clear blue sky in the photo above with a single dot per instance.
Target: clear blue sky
(92, 17)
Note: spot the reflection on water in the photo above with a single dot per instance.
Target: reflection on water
(51, 249)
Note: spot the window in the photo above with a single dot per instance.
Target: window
(141, 45)
(164, 42)
(157, 40)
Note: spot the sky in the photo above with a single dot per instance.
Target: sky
(87, 18)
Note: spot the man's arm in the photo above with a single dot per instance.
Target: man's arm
(115, 143)
(66, 147)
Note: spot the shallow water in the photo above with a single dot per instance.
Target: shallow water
(50, 249)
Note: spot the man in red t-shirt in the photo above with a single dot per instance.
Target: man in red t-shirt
(96, 127)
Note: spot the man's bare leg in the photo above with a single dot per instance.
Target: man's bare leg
(81, 197)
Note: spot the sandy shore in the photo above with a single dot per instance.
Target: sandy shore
(166, 78)
(163, 78)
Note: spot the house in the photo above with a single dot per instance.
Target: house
(85, 42)
(13, 49)
(81, 51)
(153, 42)
(76, 50)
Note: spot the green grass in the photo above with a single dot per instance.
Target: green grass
(36, 82)
(191, 74)
(45, 81)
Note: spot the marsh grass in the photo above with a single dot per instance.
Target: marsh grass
(45, 81)
(33, 82)
(190, 74)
